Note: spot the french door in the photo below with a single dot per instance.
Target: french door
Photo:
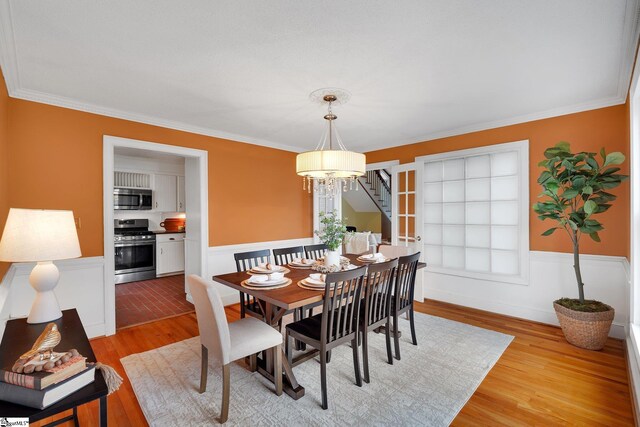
(406, 213)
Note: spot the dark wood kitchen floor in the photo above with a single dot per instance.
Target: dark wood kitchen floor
(149, 300)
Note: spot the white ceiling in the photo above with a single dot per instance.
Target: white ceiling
(243, 70)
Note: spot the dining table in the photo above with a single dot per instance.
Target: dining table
(275, 303)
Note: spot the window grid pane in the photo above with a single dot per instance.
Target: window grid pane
(471, 207)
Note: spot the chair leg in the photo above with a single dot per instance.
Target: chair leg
(242, 313)
(277, 369)
(226, 380)
(413, 326)
(328, 356)
(287, 347)
(356, 362)
(323, 378)
(365, 355)
(396, 336)
(387, 331)
(253, 362)
(204, 367)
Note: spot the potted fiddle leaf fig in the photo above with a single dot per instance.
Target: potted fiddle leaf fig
(575, 190)
(331, 234)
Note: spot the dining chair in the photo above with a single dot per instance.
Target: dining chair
(377, 307)
(337, 324)
(403, 296)
(284, 256)
(228, 342)
(315, 251)
(245, 261)
(390, 251)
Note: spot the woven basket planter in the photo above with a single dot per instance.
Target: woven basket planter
(585, 330)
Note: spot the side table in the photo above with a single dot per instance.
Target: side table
(20, 335)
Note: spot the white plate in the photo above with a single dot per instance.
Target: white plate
(313, 283)
(268, 282)
(260, 270)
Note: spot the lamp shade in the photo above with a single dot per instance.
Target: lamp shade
(39, 235)
(340, 163)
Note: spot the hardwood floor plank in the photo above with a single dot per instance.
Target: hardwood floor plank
(539, 380)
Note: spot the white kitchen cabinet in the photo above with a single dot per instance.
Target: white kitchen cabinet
(169, 193)
(181, 189)
(169, 253)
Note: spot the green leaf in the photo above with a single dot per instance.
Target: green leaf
(590, 207)
(593, 163)
(603, 153)
(615, 158)
(564, 146)
(595, 236)
(573, 225)
(587, 189)
(549, 231)
(570, 193)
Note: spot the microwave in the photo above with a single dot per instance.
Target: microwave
(132, 199)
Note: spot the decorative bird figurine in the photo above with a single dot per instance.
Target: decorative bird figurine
(48, 339)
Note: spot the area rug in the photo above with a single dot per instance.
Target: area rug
(429, 386)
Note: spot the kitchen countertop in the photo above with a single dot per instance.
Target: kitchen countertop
(167, 232)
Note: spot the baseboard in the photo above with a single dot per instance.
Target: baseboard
(633, 370)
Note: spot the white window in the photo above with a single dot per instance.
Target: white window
(476, 212)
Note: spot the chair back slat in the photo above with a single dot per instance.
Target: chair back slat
(315, 251)
(341, 305)
(405, 280)
(284, 256)
(378, 290)
(247, 260)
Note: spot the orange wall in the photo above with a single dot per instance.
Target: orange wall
(587, 131)
(56, 163)
(4, 162)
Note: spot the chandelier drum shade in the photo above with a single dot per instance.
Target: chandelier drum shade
(327, 169)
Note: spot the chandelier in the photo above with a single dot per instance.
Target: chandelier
(330, 166)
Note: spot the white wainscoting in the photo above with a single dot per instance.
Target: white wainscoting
(551, 277)
(81, 286)
(221, 261)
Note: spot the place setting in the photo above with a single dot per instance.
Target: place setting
(268, 268)
(266, 281)
(301, 263)
(315, 282)
(373, 258)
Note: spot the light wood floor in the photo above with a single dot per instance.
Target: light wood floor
(539, 380)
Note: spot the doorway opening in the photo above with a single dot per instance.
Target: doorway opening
(155, 229)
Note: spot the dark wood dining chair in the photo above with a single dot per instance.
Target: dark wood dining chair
(315, 251)
(403, 296)
(284, 256)
(245, 261)
(337, 324)
(376, 309)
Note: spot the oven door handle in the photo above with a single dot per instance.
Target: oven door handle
(128, 244)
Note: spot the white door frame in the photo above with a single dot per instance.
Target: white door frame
(109, 145)
(382, 165)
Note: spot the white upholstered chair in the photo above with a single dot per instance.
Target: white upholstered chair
(227, 342)
(394, 251)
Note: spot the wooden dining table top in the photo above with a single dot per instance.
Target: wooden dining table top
(288, 297)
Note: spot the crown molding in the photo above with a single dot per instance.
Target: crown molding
(477, 127)
(59, 101)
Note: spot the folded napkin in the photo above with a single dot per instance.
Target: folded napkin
(276, 276)
(258, 278)
(318, 277)
(270, 267)
(377, 255)
(302, 261)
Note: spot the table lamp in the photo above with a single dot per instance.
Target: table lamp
(42, 236)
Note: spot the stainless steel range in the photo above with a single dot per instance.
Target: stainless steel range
(135, 250)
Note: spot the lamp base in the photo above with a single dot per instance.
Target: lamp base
(43, 279)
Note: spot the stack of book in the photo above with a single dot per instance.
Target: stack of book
(42, 389)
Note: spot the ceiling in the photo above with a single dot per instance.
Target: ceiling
(243, 70)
